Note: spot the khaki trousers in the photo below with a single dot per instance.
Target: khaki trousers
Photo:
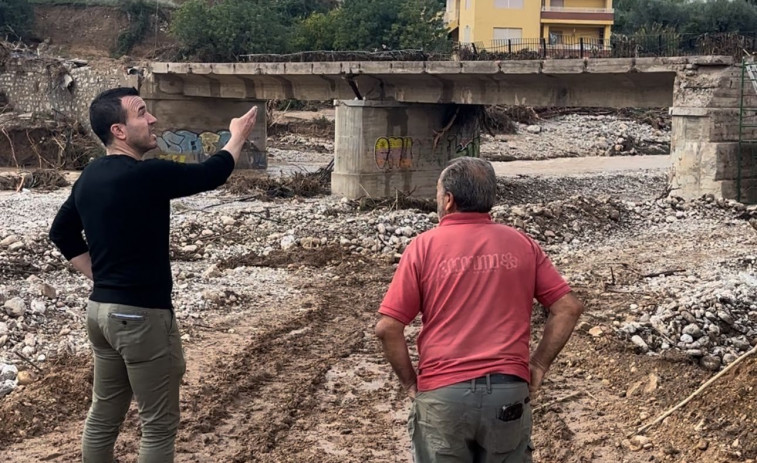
(138, 353)
(459, 424)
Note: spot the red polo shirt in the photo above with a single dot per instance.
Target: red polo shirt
(474, 283)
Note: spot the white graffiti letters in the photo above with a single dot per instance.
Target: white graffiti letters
(483, 263)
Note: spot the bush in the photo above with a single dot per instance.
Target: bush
(225, 30)
(16, 17)
(138, 12)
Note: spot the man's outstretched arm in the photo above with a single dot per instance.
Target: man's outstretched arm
(561, 321)
(391, 332)
(176, 180)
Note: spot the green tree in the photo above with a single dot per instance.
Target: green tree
(632, 15)
(225, 30)
(420, 24)
(316, 32)
(686, 16)
(366, 24)
(16, 17)
(375, 25)
(721, 16)
(301, 9)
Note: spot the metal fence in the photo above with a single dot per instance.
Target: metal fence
(617, 46)
(555, 47)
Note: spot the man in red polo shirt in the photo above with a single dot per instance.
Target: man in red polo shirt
(474, 282)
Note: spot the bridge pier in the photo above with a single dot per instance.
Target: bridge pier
(705, 135)
(385, 147)
(191, 130)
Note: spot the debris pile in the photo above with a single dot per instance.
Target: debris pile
(578, 135)
(709, 314)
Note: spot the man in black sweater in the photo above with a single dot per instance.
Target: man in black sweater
(122, 204)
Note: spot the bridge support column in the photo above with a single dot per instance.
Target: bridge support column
(705, 135)
(382, 148)
(191, 130)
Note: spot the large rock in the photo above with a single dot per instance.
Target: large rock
(15, 307)
(9, 240)
(26, 377)
(44, 289)
(38, 306)
(8, 372)
(6, 387)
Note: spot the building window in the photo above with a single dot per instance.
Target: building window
(509, 4)
(466, 34)
(467, 4)
(503, 34)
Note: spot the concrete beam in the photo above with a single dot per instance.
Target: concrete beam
(640, 82)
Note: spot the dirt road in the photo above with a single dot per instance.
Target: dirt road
(581, 166)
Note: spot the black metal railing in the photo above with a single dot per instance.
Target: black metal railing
(554, 47)
(617, 46)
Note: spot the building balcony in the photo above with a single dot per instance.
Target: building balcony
(591, 15)
(452, 19)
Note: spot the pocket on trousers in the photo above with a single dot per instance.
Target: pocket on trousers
(504, 436)
(138, 337)
(411, 421)
(125, 318)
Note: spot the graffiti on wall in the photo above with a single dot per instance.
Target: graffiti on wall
(184, 145)
(393, 153)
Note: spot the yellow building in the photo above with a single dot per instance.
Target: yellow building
(492, 23)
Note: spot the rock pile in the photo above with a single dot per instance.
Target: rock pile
(42, 300)
(578, 135)
(711, 315)
(713, 322)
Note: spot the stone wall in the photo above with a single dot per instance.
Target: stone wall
(43, 85)
(705, 134)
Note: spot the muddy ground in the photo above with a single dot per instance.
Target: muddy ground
(293, 373)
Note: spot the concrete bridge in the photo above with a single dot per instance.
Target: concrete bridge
(399, 123)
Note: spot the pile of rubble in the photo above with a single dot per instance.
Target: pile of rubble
(711, 313)
(42, 300)
(578, 135)
(713, 322)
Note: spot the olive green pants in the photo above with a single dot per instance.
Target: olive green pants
(459, 424)
(137, 352)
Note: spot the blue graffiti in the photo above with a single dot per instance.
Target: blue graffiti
(186, 142)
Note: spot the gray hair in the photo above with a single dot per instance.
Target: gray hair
(472, 182)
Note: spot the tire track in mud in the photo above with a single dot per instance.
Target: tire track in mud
(242, 412)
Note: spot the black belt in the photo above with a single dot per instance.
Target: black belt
(499, 378)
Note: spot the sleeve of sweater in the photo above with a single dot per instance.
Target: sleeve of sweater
(176, 180)
(66, 230)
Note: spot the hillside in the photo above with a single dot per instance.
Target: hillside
(91, 31)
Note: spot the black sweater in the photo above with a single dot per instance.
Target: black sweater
(123, 206)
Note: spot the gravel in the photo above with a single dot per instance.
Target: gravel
(706, 312)
(577, 135)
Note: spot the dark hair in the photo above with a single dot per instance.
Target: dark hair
(472, 182)
(106, 110)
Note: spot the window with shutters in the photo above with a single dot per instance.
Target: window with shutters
(507, 33)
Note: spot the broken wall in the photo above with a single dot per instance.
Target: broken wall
(45, 85)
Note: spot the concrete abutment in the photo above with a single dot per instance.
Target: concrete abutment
(705, 135)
